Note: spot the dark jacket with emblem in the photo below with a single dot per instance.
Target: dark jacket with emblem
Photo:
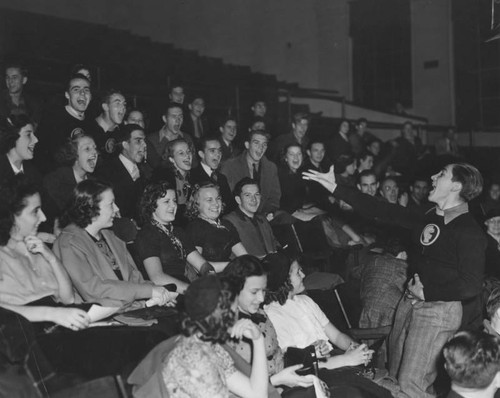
(448, 256)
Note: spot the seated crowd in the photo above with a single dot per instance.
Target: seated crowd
(225, 228)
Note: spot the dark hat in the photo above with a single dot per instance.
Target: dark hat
(202, 297)
(495, 212)
(277, 268)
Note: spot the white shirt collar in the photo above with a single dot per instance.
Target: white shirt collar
(129, 165)
(15, 169)
(207, 169)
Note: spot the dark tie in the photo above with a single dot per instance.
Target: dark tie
(255, 172)
(213, 176)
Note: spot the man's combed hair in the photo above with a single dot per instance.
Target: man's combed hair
(472, 359)
(470, 178)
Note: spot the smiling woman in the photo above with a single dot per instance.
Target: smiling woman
(98, 263)
(78, 158)
(17, 145)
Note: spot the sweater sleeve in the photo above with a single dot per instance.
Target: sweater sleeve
(379, 210)
(91, 286)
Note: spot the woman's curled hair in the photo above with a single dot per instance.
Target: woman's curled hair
(214, 327)
(13, 194)
(83, 205)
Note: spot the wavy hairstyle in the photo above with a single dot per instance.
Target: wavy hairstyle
(278, 278)
(192, 208)
(10, 131)
(215, 326)
(14, 193)
(68, 152)
(83, 205)
(152, 193)
(241, 268)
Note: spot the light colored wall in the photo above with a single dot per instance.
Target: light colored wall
(433, 89)
(299, 41)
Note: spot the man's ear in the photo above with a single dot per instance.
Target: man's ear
(201, 154)
(66, 95)
(308, 153)
(238, 200)
(25, 79)
(105, 107)
(247, 144)
(456, 186)
(190, 106)
(164, 118)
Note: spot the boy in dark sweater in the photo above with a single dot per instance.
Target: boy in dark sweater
(447, 265)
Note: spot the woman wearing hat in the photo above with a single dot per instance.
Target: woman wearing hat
(199, 366)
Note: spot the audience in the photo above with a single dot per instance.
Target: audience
(199, 366)
(98, 263)
(127, 172)
(253, 163)
(216, 240)
(165, 250)
(233, 199)
(210, 153)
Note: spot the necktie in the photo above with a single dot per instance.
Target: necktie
(135, 174)
(255, 172)
(213, 176)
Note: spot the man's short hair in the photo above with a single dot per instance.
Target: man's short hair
(493, 303)
(238, 188)
(126, 132)
(194, 97)
(257, 132)
(470, 178)
(226, 119)
(17, 65)
(361, 120)
(106, 97)
(315, 141)
(172, 105)
(175, 84)
(366, 173)
(74, 77)
(472, 359)
(206, 138)
(297, 117)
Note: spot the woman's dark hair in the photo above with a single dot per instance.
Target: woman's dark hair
(14, 193)
(68, 152)
(83, 205)
(241, 268)
(149, 198)
(214, 327)
(278, 278)
(284, 151)
(192, 210)
(11, 127)
(341, 122)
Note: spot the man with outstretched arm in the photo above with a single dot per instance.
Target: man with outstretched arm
(447, 262)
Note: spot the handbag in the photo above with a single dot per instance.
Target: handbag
(302, 356)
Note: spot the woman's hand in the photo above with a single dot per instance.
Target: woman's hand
(161, 296)
(322, 348)
(245, 328)
(288, 377)
(325, 179)
(359, 355)
(35, 245)
(71, 318)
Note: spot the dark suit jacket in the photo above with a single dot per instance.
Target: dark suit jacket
(188, 126)
(199, 176)
(237, 168)
(127, 191)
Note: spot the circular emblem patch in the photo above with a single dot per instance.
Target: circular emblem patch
(429, 234)
(109, 147)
